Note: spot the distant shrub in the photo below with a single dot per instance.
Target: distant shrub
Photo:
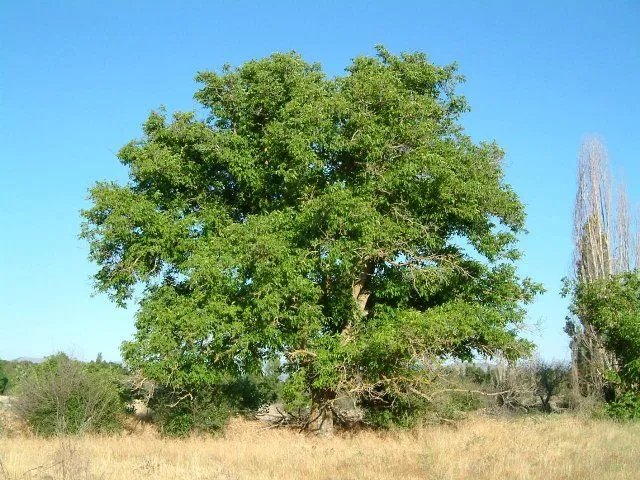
(65, 396)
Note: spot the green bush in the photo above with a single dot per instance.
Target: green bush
(625, 407)
(179, 415)
(612, 307)
(208, 409)
(387, 411)
(65, 396)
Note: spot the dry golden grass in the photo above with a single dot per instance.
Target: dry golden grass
(555, 447)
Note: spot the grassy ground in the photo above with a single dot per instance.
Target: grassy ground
(554, 447)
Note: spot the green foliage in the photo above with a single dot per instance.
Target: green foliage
(448, 398)
(64, 396)
(206, 411)
(295, 393)
(612, 306)
(625, 407)
(14, 372)
(209, 409)
(386, 410)
(115, 374)
(346, 224)
(4, 381)
(477, 375)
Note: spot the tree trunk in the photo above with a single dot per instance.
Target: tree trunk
(321, 416)
(576, 343)
(546, 403)
(360, 292)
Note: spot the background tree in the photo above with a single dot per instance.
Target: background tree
(551, 379)
(612, 307)
(604, 246)
(347, 225)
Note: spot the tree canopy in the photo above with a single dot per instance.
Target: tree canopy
(346, 225)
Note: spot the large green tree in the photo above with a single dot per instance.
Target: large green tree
(346, 225)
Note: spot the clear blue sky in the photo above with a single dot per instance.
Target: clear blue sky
(77, 79)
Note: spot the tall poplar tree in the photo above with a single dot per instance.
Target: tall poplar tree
(604, 246)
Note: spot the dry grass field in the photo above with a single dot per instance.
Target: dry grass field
(555, 447)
